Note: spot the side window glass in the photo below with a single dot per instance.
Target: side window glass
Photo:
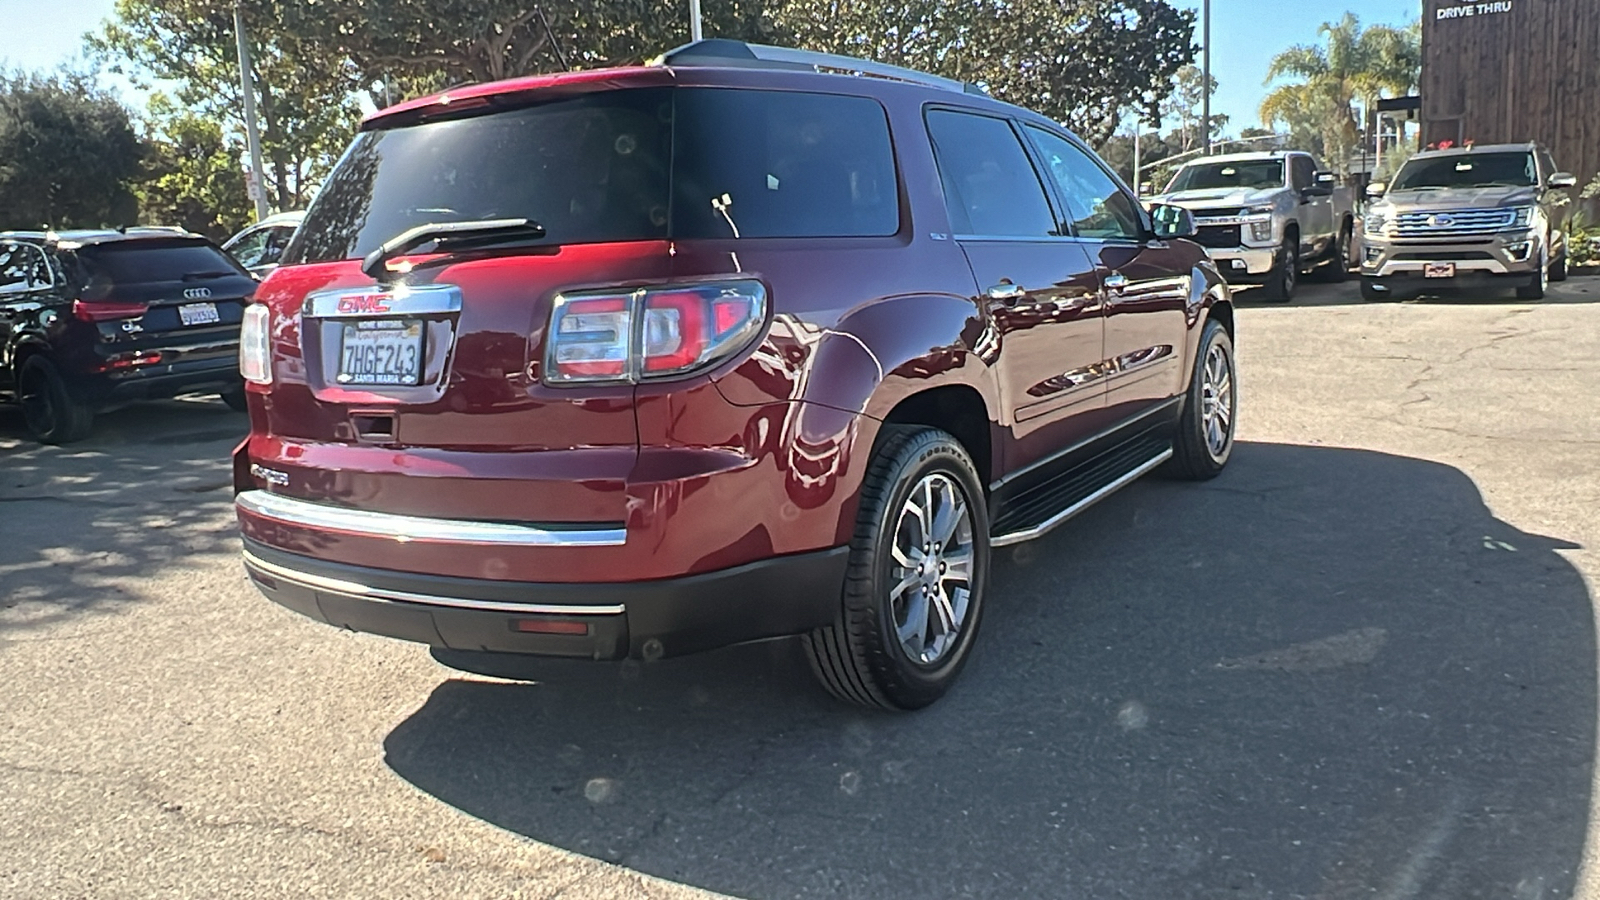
(990, 186)
(251, 248)
(22, 268)
(1305, 172)
(1098, 206)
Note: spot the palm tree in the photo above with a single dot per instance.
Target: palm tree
(1354, 65)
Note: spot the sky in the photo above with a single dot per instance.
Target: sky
(1246, 34)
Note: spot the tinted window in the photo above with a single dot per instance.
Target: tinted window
(251, 248)
(1097, 205)
(990, 186)
(782, 164)
(1305, 172)
(1265, 173)
(145, 261)
(22, 268)
(588, 169)
(1468, 170)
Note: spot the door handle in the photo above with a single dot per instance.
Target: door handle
(1006, 292)
(1116, 282)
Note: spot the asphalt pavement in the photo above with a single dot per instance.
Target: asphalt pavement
(1362, 663)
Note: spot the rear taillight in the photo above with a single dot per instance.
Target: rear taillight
(255, 345)
(107, 311)
(650, 332)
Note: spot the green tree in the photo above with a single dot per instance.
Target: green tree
(192, 176)
(1353, 65)
(68, 153)
(305, 98)
(1082, 62)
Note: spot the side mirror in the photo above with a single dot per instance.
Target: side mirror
(1377, 189)
(1563, 180)
(1173, 222)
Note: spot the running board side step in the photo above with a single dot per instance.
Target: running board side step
(1080, 490)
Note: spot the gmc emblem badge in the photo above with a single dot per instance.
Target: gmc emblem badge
(196, 293)
(363, 303)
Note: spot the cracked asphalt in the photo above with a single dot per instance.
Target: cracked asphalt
(1360, 664)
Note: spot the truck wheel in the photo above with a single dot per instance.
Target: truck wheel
(1283, 281)
(919, 562)
(1539, 283)
(1210, 411)
(1338, 267)
(48, 407)
(1558, 269)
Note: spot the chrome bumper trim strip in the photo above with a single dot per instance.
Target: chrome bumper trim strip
(415, 528)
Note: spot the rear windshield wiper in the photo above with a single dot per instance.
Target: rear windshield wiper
(449, 237)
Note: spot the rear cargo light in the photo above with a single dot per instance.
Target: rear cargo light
(255, 344)
(107, 311)
(651, 332)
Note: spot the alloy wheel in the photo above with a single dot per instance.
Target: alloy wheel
(1217, 402)
(932, 569)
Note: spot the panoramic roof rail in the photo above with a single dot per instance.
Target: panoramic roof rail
(721, 53)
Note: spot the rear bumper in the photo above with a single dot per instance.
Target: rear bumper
(163, 380)
(770, 598)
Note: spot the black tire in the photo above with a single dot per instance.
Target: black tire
(1195, 457)
(49, 409)
(236, 399)
(1337, 269)
(1558, 269)
(1537, 283)
(1280, 287)
(861, 658)
(1371, 294)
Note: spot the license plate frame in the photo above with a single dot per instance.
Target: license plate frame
(379, 344)
(1439, 270)
(191, 314)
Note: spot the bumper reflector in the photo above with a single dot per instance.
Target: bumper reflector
(547, 626)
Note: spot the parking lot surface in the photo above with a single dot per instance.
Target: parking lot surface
(1362, 663)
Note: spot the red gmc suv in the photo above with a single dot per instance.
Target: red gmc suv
(743, 344)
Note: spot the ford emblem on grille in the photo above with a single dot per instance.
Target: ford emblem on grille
(1441, 221)
(196, 293)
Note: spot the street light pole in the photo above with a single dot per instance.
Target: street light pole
(1205, 81)
(694, 20)
(251, 134)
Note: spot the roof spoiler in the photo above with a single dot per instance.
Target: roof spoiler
(724, 53)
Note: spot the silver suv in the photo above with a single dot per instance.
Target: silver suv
(1470, 217)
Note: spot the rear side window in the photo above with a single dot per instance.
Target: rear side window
(759, 164)
(147, 261)
(990, 186)
(22, 269)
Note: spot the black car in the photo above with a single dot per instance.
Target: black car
(90, 320)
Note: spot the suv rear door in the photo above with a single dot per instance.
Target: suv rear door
(1039, 285)
(25, 278)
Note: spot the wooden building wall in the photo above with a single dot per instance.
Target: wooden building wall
(1530, 71)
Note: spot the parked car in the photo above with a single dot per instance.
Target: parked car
(93, 319)
(553, 366)
(1268, 218)
(1468, 217)
(259, 247)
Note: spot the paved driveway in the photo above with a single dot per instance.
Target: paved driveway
(1361, 664)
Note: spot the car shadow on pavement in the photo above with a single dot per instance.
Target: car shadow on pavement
(80, 525)
(1329, 673)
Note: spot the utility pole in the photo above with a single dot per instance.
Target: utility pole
(251, 134)
(1138, 154)
(694, 20)
(1205, 82)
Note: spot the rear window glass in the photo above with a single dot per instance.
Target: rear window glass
(601, 168)
(143, 262)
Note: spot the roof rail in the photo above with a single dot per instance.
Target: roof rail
(720, 52)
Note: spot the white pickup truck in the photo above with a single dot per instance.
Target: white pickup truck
(1268, 218)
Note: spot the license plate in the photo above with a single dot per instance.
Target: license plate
(381, 351)
(198, 314)
(1440, 270)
